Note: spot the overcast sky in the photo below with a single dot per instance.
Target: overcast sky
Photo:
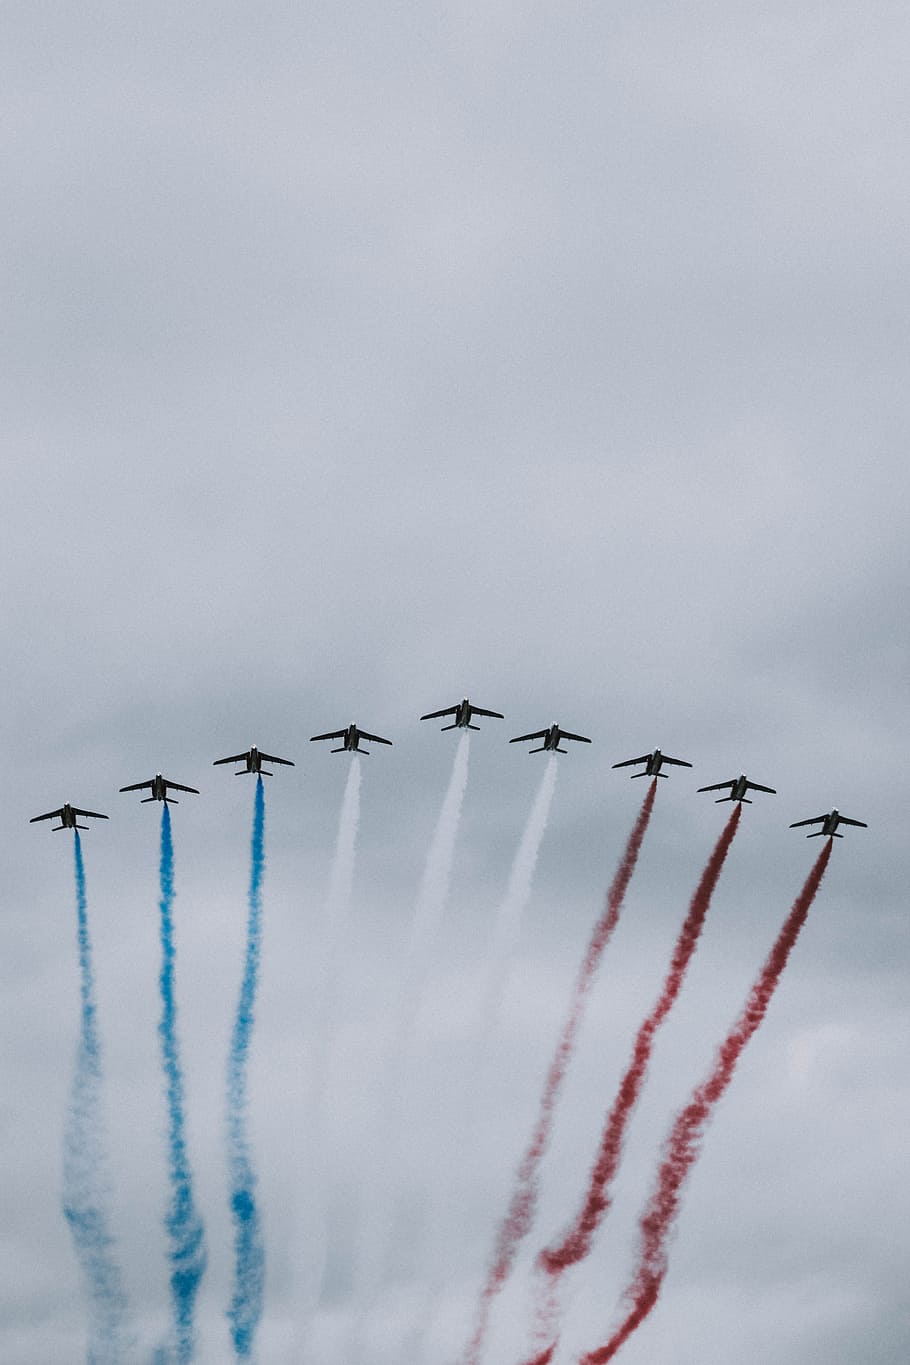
(359, 357)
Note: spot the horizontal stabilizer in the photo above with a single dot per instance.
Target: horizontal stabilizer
(453, 726)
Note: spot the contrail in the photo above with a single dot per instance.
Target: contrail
(85, 1193)
(523, 1205)
(681, 1149)
(553, 1261)
(404, 1042)
(187, 1253)
(249, 1257)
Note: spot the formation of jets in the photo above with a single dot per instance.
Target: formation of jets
(463, 713)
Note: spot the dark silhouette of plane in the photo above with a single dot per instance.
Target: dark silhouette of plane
(738, 788)
(654, 762)
(351, 738)
(67, 815)
(159, 787)
(829, 824)
(462, 713)
(551, 739)
(254, 759)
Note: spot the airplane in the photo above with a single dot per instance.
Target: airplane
(159, 787)
(462, 713)
(829, 824)
(67, 815)
(550, 739)
(253, 758)
(654, 763)
(738, 788)
(351, 738)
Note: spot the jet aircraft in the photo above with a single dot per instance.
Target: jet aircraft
(159, 787)
(738, 788)
(551, 738)
(829, 824)
(462, 713)
(253, 758)
(67, 815)
(351, 738)
(653, 762)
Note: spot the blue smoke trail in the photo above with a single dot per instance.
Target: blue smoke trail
(249, 1257)
(84, 1183)
(184, 1227)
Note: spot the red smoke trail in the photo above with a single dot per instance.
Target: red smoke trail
(576, 1244)
(684, 1143)
(517, 1222)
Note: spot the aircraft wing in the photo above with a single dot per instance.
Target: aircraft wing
(538, 734)
(719, 786)
(816, 820)
(449, 711)
(757, 787)
(237, 758)
(567, 734)
(377, 739)
(330, 734)
(95, 814)
(843, 820)
(51, 815)
(137, 786)
(680, 762)
(178, 786)
(273, 758)
(479, 711)
(627, 762)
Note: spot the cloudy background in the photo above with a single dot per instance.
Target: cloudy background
(356, 357)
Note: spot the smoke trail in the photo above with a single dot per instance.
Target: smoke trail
(85, 1194)
(511, 911)
(523, 1205)
(576, 1244)
(324, 1023)
(437, 874)
(249, 1257)
(187, 1253)
(683, 1145)
(404, 1041)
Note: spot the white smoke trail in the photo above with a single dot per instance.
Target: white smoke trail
(507, 924)
(324, 1023)
(442, 1199)
(404, 1048)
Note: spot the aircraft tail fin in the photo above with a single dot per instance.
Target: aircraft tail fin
(337, 751)
(453, 726)
(146, 799)
(265, 772)
(537, 751)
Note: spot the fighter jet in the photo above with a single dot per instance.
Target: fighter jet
(738, 788)
(550, 739)
(159, 787)
(462, 713)
(829, 824)
(253, 758)
(653, 762)
(351, 738)
(67, 816)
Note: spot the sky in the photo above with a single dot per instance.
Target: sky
(357, 358)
